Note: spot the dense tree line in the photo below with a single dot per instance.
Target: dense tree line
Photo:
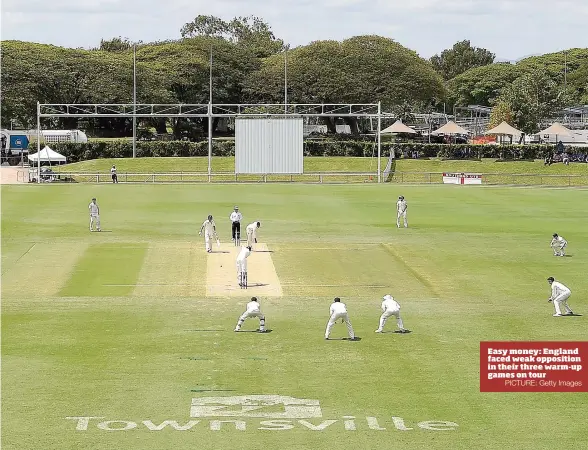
(526, 92)
(248, 66)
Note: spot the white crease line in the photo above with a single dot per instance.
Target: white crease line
(228, 285)
(141, 285)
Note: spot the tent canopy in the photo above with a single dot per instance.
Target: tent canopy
(557, 129)
(505, 129)
(47, 155)
(451, 128)
(397, 128)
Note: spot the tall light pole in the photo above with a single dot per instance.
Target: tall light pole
(134, 100)
(38, 142)
(565, 72)
(210, 116)
(286, 79)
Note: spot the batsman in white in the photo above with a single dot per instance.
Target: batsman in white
(558, 245)
(242, 262)
(253, 310)
(94, 215)
(209, 228)
(390, 307)
(337, 311)
(252, 233)
(559, 296)
(401, 207)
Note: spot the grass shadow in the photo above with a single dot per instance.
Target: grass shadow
(254, 331)
(204, 331)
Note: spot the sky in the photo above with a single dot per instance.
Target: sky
(509, 28)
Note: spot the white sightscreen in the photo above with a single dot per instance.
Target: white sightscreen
(268, 145)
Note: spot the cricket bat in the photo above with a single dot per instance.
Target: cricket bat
(218, 242)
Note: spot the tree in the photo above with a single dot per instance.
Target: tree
(501, 112)
(481, 85)
(460, 58)
(117, 44)
(578, 84)
(532, 97)
(363, 69)
(185, 66)
(250, 32)
(403, 112)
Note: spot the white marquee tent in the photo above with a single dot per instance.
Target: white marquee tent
(47, 155)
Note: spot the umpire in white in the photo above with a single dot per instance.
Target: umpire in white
(236, 218)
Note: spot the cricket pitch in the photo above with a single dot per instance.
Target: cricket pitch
(221, 273)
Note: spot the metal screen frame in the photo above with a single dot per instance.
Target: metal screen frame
(209, 110)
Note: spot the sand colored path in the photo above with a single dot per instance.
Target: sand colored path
(221, 273)
(13, 175)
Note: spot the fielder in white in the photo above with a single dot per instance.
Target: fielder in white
(94, 215)
(558, 245)
(390, 307)
(253, 310)
(242, 262)
(337, 311)
(559, 296)
(252, 233)
(401, 207)
(209, 228)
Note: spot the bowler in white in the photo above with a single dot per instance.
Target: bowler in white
(253, 310)
(242, 262)
(209, 228)
(252, 233)
(390, 307)
(558, 245)
(401, 208)
(338, 311)
(94, 215)
(559, 296)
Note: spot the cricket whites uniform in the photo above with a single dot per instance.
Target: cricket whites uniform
(236, 218)
(559, 296)
(390, 307)
(253, 310)
(401, 207)
(251, 234)
(94, 216)
(338, 310)
(209, 232)
(558, 244)
(242, 262)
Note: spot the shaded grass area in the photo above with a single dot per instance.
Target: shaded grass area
(106, 270)
(404, 171)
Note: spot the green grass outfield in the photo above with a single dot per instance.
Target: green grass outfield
(406, 170)
(117, 325)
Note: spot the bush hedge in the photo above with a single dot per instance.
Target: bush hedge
(323, 147)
